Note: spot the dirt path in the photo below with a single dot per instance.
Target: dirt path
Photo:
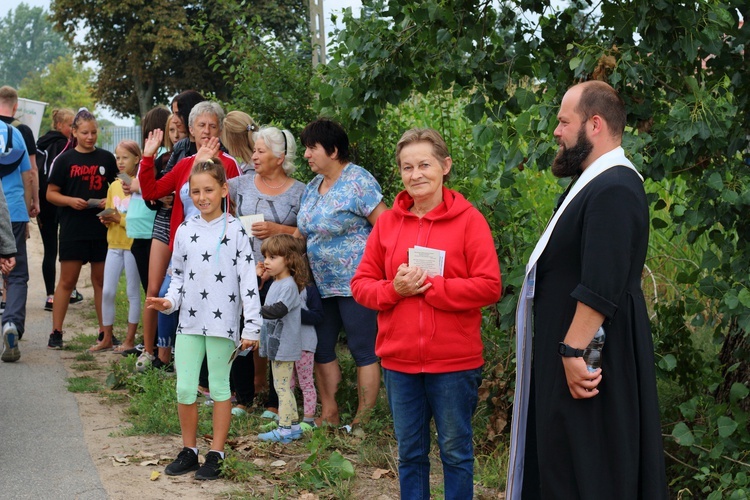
(116, 457)
(127, 465)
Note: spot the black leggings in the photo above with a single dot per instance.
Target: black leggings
(141, 250)
(48, 224)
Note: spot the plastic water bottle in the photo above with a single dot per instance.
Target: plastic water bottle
(593, 353)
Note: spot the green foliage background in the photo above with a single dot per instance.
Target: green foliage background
(489, 76)
(502, 70)
(29, 44)
(64, 83)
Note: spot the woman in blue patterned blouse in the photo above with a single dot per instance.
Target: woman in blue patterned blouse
(339, 208)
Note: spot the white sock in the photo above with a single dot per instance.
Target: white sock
(195, 450)
(219, 452)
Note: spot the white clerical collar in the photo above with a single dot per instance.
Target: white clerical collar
(613, 158)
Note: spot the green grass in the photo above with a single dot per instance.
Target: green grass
(84, 356)
(84, 384)
(153, 406)
(239, 470)
(85, 366)
(121, 312)
(116, 397)
(79, 343)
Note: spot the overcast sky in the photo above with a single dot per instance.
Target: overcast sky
(330, 7)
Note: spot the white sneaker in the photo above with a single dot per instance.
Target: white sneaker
(144, 361)
(10, 343)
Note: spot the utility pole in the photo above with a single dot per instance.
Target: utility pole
(317, 30)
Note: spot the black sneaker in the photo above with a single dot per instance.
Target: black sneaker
(55, 340)
(76, 297)
(211, 468)
(137, 350)
(161, 365)
(185, 462)
(48, 304)
(10, 343)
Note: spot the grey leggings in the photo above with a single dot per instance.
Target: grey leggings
(117, 260)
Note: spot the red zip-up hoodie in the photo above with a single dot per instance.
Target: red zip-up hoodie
(438, 331)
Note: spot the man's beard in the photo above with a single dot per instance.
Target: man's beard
(568, 160)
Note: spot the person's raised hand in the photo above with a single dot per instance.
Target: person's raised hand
(153, 142)
(208, 150)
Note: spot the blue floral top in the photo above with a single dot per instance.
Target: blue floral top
(336, 227)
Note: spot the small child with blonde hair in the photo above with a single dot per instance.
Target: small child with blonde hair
(281, 334)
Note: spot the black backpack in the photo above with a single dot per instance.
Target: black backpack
(10, 158)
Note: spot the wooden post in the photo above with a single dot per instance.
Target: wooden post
(317, 30)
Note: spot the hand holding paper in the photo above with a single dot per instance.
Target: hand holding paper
(410, 281)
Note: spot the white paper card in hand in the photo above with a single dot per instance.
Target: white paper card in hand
(249, 220)
(432, 261)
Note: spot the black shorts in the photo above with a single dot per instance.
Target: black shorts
(161, 225)
(83, 250)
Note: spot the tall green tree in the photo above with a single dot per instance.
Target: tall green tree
(29, 44)
(265, 58)
(147, 51)
(684, 73)
(63, 84)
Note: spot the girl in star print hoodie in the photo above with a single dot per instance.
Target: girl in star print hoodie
(213, 282)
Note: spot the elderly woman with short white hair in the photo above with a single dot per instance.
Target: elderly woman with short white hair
(268, 199)
(268, 190)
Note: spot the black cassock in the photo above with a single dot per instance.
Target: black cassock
(609, 446)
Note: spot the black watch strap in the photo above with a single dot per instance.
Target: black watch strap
(569, 352)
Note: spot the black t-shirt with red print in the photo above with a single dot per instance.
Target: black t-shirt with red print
(86, 176)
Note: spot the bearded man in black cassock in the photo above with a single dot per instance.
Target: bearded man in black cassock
(593, 435)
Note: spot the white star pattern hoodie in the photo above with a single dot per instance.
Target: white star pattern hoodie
(214, 279)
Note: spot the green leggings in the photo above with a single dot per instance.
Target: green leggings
(189, 351)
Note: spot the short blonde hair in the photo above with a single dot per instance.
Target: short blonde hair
(8, 95)
(428, 135)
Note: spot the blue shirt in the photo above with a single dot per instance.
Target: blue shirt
(13, 182)
(336, 227)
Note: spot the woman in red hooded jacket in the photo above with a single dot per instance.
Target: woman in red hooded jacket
(429, 313)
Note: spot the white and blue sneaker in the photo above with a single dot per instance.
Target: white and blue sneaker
(281, 435)
(10, 343)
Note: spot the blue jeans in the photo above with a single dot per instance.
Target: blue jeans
(166, 324)
(17, 282)
(449, 398)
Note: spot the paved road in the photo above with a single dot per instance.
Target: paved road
(42, 449)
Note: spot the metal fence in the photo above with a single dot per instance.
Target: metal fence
(110, 137)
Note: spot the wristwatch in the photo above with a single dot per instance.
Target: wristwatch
(569, 352)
